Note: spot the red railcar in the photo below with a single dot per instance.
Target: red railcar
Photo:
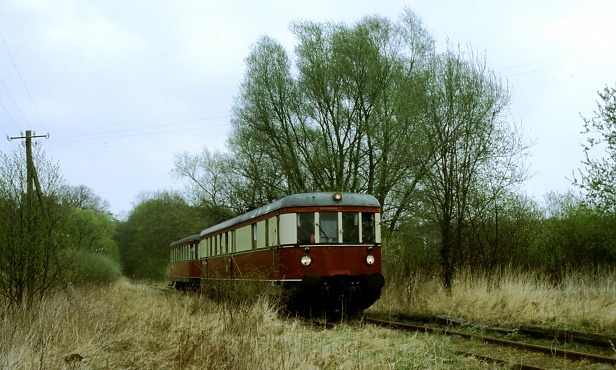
(324, 248)
(185, 267)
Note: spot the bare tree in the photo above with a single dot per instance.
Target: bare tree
(471, 144)
(31, 229)
(341, 115)
(83, 197)
(599, 177)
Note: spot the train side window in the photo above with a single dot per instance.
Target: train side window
(305, 228)
(328, 227)
(350, 227)
(254, 235)
(227, 242)
(368, 227)
(272, 227)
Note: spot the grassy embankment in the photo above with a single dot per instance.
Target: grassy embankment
(579, 301)
(130, 326)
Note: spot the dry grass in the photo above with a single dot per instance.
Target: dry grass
(131, 326)
(578, 302)
(128, 326)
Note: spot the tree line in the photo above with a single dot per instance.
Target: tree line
(370, 107)
(51, 235)
(373, 107)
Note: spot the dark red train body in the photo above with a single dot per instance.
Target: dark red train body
(185, 267)
(324, 249)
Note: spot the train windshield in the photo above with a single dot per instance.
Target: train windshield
(305, 228)
(350, 227)
(368, 227)
(328, 227)
(336, 227)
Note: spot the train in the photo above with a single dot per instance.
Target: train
(322, 249)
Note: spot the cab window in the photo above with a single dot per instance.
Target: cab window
(350, 227)
(305, 228)
(367, 227)
(328, 227)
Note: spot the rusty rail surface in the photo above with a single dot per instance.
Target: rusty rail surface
(556, 352)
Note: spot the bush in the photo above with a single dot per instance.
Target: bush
(90, 267)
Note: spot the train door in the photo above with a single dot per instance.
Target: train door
(273, 242)
(229, 251)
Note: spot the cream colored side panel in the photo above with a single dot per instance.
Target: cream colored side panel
(288, 228)
(261, 229)
(377, 232)
(203, 248)
(273, 231)
(243, 241)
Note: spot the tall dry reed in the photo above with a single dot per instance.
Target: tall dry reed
(583, 301)
(131, 326)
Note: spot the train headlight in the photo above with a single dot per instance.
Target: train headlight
(370, 259)
(337, 197)
(306, 260)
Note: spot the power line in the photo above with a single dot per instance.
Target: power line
(16, 106)
(121, 133)
(6, 133)
(543, 62)
(22, 82)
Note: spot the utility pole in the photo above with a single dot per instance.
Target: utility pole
(31, 175)
(35, 186)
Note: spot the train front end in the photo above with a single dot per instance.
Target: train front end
(334, 262)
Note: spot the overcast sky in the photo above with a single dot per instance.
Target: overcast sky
(122, 86)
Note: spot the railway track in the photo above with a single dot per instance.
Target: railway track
(551, 351)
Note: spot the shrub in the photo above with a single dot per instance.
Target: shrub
(90, 267)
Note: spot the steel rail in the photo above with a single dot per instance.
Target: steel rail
(556, 352)
(493, 360)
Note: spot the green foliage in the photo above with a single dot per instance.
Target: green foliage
(575, 238)
(410, 251)
(339, 115)
(33, 214)
(93, 268)
(599, 177)
(92, 231)
(152, 225)
(371, 107)
(500, 233)
(474, 153)
(50, 233)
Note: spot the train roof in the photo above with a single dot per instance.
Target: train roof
(300, 200)
(189, 238)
